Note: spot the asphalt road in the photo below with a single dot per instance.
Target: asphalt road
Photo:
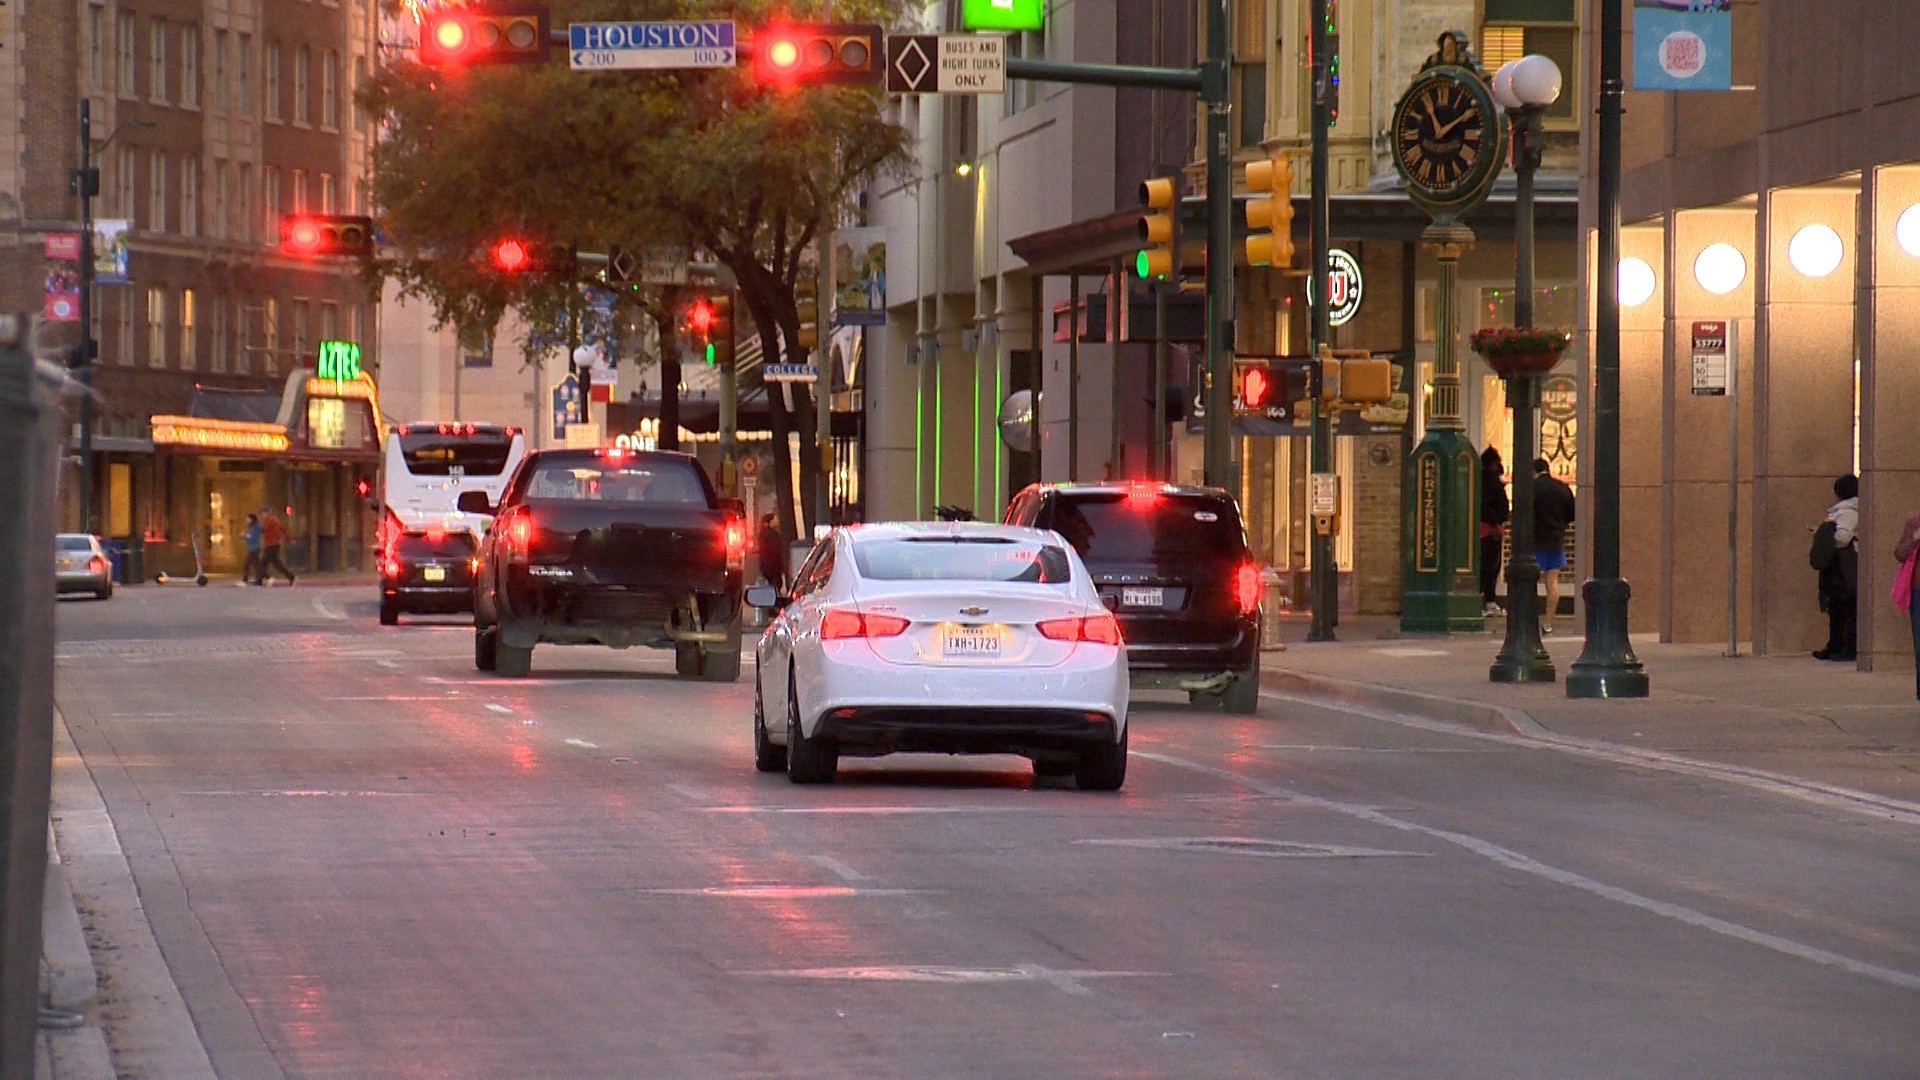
(360, 857)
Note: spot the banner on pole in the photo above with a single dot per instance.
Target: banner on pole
(1682, 45)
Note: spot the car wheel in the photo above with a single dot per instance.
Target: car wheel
(389, 612)
(766, 756)
(1054, 766)
(106, 593)
(486, 647)
(1242, 696)
(511, 661)
(809, 761)
(1103, 768)
(686, 658)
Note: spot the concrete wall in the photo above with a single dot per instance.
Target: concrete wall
(1890, 400)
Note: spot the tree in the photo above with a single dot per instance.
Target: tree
(706, 158)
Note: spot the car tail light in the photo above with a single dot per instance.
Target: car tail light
(519, 537)
(436, 535)
(390, 567)
(841, 623)
(96, 565)
(1095, 629)
(1142, 497)
(735, 539)
(1246, 588)
(390, 530)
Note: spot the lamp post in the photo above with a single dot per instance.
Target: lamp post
(85, 182)
(1607, 667)
(1524, 88)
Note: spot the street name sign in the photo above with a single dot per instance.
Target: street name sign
(790, 373)
(946, 64)
(607, 46)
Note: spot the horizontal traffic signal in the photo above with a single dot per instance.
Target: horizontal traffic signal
(452, 37)
(309, 235)
(517, 255)
(819, 54)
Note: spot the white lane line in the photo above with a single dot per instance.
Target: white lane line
(779, 892)
(1832, 796)
(691, 792)
(582, 744)
(867, 809)
(840, 869)
(326, 610)
(494, 706)
(1513, 860)
(1314, 749)
(1067, 981)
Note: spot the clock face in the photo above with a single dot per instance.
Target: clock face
(1440, 136)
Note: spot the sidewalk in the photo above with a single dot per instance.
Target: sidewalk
(1791, 716)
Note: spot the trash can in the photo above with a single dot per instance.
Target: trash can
(136, 559)
(117, 555)
(1274, 603)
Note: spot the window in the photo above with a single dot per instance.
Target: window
(243, 359)
(243, 74)
(189, 195)
(476, 347)
(302, 72)
(157, 327)
(270, 335)
(123, 181)
(97, 48)
(123, 328)
(270, 201)
(243, 206)
(359, 80)
(1250, 72)
(300, 327)
(157, 85)
(187, 324)
(217, 219)
(329, 321)
(329, 193)
(218, 358)
(1023, 93)
(330, 90)
(157, 193)
(300, 204)
(124, 32)
(1514, 28)
(219, 69)
(271, 91)
(190, 65)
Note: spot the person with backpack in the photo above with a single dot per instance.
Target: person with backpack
(1835, 556)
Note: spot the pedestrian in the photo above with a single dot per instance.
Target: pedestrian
(1494, 512)
(772, 546)
(1835, 554)
(250, 539)
(1552, 516)
(272, 535)
(1906, 588)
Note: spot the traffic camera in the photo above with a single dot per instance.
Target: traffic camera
(819, 54)
(310, 235)
(452, 37)
(1270, 215)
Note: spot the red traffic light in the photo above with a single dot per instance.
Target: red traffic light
(484, 34)
(820, 54)
(307, 235)
(1255, 387)
(518, 255)
(510, 255)
(700, 317)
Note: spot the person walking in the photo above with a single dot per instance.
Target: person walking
(1906, 588)
(1552, 515)
(1839, 570)
(772, 547)
(250, 539)
(1494, 512)
(272, 535)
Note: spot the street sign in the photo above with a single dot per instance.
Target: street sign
(647, 266)
(946, 64)
(1323, 494)
(651, 45)
(1712, 351)
(790, 373)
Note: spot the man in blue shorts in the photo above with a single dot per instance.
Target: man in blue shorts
(1552, 516)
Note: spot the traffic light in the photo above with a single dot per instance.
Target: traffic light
(453, 37)
(720, 328)
(1333, 62)
(363, 487)
(1269, 390)
(820, 54)
(1355, 376)
(1271, 211)
(1160, 253)
(516, 255)
(806, 297)
(310, 235)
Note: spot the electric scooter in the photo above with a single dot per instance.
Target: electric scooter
(199, 568)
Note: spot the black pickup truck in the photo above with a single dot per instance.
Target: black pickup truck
(609, 547)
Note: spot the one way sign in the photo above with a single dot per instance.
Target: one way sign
(946, 64)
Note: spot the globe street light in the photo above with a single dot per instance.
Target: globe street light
(1524, 88)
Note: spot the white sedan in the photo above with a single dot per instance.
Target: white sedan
(954, 637)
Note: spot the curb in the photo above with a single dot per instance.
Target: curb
(66, 968)
(1478, 715)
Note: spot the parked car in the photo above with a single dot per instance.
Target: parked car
(959, 638)
(80, 564)
(609, 547)
(426, 571)
(1172, 562)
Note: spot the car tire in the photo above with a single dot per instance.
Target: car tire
(1242, 696)
(1103, 768)
(766, 756)
(389, 612)
(686, 659)
(511, 661)
(104, 594)
(486, 647)
(809, 761)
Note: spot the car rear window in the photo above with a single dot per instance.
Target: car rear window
(73, 543)
(453, 545)
(655, 481)
(1156, 529)
(962, 559)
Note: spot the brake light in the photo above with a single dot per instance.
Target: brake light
(96, 565)
(1142, 496)
(734, 536)
(1101, 629)
(1246, 588)
(840, 623)
(390, 567)
(519, 537)
(435, 534)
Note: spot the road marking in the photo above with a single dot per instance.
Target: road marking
(326, 610)
(867, 809)
(840, 869)
(1410, 651)
(387, 697)
(780, 892)
(1267, 849)
(1309, 747)
(1066, 981)
(691, 792)
(269, 794)
(494, 706)
(1513, 860)
(582, 744)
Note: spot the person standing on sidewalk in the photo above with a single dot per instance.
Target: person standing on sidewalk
(272, 536)
(1907, 551)
(1494, 512)
(1552, 515)
(772, 547)
(250, 539)
(1840, 575)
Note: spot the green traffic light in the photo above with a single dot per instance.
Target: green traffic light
(1140, 264)
(712, 354)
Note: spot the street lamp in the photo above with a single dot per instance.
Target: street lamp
(1524, 88)
(85, 182)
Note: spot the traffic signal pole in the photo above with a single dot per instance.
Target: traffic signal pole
(1323, 576)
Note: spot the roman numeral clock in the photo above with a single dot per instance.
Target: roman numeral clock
(1449, 139)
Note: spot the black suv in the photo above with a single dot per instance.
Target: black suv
(1172, 563)
(428, 571)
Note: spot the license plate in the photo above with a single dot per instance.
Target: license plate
(1143, 597)
(434, 573)
(961, 642)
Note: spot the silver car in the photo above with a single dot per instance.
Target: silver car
(80, 564)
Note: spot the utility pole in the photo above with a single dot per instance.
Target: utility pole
(1215, 92)
(86, 181)
(1323, 575)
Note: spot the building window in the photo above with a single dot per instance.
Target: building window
(301, 310)
(125, 77)
(476, 347)
(243, 74)
(189, 195)
(219, 69)
(217, 219)
(300, 203)
(157, 193)
(270, 201)
(329, 193)
(1514, 28)
(124, 182)
(157, 327)
(217, 362)
(271, 92)
(190, 65)
(330, 90)
(123, 330)
(243, 359)
(1250, 71)
(187, 323)
(243, 206)
(270, 336)
(157, 74)
(97, 48)
(329, 321)
(302, 73)
(359, 80)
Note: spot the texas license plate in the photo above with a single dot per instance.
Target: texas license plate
(964, 642)
(1140, 596)
(434, 573)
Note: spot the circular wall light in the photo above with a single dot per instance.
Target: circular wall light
(1907, 230)
(1720, 269)
(1636, 282)
(1815, 251)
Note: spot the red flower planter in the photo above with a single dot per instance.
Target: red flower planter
(1534, 363)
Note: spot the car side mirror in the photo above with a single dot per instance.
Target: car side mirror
(475, 502)
(765, 596)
